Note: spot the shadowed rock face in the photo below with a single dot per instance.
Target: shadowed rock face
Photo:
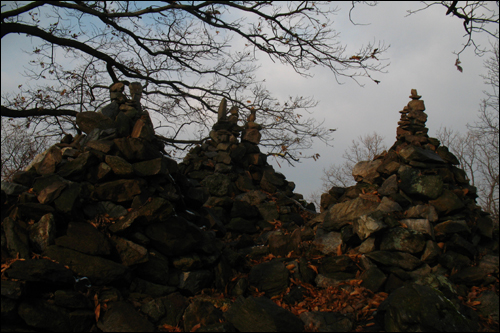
(105, 230)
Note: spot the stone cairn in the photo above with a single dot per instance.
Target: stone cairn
(412, 220)
(105, 232)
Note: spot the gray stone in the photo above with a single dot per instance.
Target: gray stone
(402, 239)
(342, 213)
(76, 169)
(218, 184)
(122, 317)
(119, 166)
(399, 259)
(366, 225)
(450, 227)
(43, 270)
(13, 189)
(414, 153)
(447, 203)
(51, 192)
(389, 186)
(110, 110)
(203, 313)
(42, 233)
(119, 190)
(36, 313)
(421, 308)
(373, 279)
(422, 211)
(261, 315)
(270, 277)
(88, 121)
(326, 321)
(16, 239)
(420, 225)
(177, 237)
(130, 253)
(328, 243)
(49, 162)
(426, 186)
(158, 166)
(366, 171)
(194, 281)
(100, 271)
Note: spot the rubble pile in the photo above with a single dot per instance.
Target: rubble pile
(104, 231)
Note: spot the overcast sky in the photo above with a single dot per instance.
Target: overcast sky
(421, 57)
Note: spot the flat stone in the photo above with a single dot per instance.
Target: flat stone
(261, 315)
(119, 190)
(421, 308)
(366, 225)
(98, 270)
(426, 186)
(119, 166)
(420, 225)
(414, 153)
(329, 242)
(326, 321)
(270, 277)
(447, 203)
(122, 317)
(88, 121)
(399, 259)
(402, 239)
(366, 171)
(84, 238)
(342, 213)
(51, 192)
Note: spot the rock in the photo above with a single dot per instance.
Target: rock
(51, 192)
(413, 153)
(178, 237)
(119, 190)
(412, 183)
(342, 213)
(421, 308)
(13, 189)
(366, 171)
(201, 313)
(217, 184)
(270, 277)
(88, 121)
(261, 315)
(373, 279)
(447, 203)
(366, 225)
(43, 233)
(194, 281)
(328, 243)
(389, 186)
(49, 162)
(401, 239)
(43, 270)
(326, 321)
(122, 317)
(84, 238)
(119, 166)
(400, 259)
(36, 312)
(100, 271)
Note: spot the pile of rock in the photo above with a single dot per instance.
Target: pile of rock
(106, 218)
(104, 231)
(411, 219)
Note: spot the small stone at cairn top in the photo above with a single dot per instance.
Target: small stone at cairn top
(414, 94)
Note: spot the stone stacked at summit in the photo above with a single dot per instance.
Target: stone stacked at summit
(412, 218)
